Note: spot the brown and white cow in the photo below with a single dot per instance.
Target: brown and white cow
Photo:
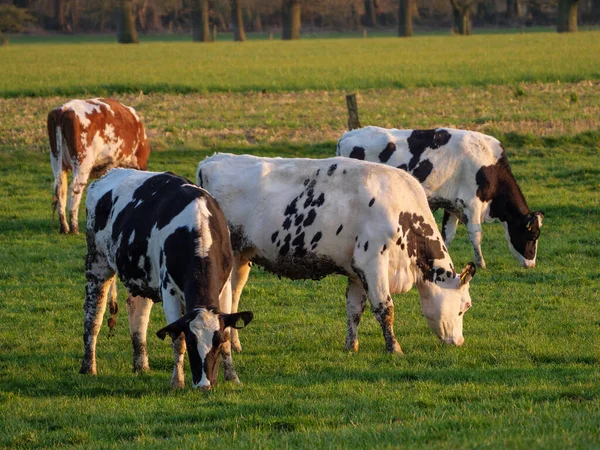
(167, 240)
(90, 137)
(308, 218)
(464, 172)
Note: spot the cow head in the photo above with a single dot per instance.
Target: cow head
(205, 332)
(522, 237)
(445, 304)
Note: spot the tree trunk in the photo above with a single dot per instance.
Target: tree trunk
(566, 19)
(291, 19)
(237, 19)
(74, 15)
(126, 33)
(59, 14)
(200, 28)
(371, 13)
(461, 14)
(405, 13)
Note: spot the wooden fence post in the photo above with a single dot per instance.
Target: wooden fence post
(353, 121)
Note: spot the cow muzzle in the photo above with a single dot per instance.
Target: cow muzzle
(458, 341)
(528, 263)
(203, 385)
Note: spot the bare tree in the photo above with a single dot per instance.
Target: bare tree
(291, 19)
(200, 28)
(59, 14)
(566, 20)
(513, 9)
(126, 32)
(237, 19)
(405, 16)
(461, 14)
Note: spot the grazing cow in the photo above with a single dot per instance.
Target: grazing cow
(91, 137)
(464, 172)
(168, 242)
(307, 218)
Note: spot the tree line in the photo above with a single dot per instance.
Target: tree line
(204, 18)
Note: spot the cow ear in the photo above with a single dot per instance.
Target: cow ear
(232, 320)
(467, 274)
(174, 329)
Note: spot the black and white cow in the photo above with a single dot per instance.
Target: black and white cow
(168, 242)
(308, 218)
(464, 172)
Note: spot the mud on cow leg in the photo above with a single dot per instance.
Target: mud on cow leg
(228, 369)
(178, 379)
(356, 300)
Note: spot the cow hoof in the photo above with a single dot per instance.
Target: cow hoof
(141, 370)
(396, 350)
(86, 369)
(236, 347)
(233, 378)
(176, 384)
(352, 346)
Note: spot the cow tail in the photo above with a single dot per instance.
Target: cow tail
(113, 307)
(55, 157)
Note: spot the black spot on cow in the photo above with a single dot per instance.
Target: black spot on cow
(319, 201)
(310, 218)
(278, 244)
(306, 182)
(421, 140)
(423, 170)
(172, 291)
(331, 169)
(383, 249)
(103, 209)
(357, 153)
(318, 171)
(298, 230)
(312, 184)
(285, 248)
(449, 274)
(399, 241)
(420, 244)
(366, 245)
(309, 197)
(291, 208)
(339, 230)
(371, 202)
(344, 172)
(287, 223)
(274, 236)
(387, 152)
(299, 219)
(316, 238)
(403, 167)
(298, 242)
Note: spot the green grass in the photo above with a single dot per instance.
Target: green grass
(273, 66)
(527, 376)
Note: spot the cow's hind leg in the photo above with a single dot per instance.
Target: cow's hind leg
(99, 279)
(138, 309)
(356, 299)
(449, 224)
(239, 277)
(475, 234)
(373, 274)
(80, 179)
(61, 185)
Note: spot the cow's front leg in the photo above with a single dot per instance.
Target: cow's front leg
(80, 179)
(139, 309)
(356, 299)
(239, 277)
(373, 274)
(178, 379)
(228, 369)
(94, 306)
(449, 224)
(475, 233)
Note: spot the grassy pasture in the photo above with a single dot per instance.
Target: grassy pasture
(527, 376)
(327, 64)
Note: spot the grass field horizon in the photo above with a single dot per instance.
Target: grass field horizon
(526, 378)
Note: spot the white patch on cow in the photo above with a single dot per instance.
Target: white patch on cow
(202, 224)
(83, 108)
(132, 237)
(139, 202)
(204, 326)
(141, 262)
(134, 113)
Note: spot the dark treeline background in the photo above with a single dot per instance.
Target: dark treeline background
(152, 16)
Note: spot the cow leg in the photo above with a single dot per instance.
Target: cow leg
(239, 277)
(449, 224)
(374, 279)
(60, 191)
(139, 309)
(475, 232)
(99, 280)
(225, 305)
(173, 311)
(356, 299)
(80, 179)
